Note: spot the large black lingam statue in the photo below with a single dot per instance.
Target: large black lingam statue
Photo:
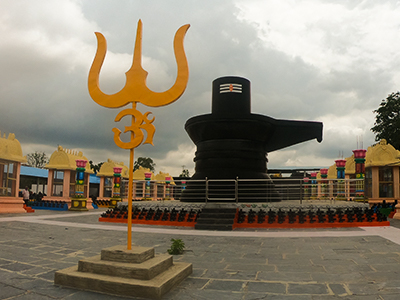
(232, 142)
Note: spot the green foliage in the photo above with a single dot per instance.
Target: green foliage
(37, 159)
(177, 247)
(144, 162)
(387, 120)
(95, 168)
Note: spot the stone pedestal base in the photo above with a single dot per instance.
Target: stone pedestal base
(114, 202)
(130, 273)
(78, 204)
(11, 205)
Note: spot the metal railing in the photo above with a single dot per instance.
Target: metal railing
(246, 190)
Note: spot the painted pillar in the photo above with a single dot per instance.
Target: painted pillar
(147, 193)
(66, 184)
(78, 202)
(313, 176)
(116, 192)
(50, 177)
(324, 184)
(306, 195)
(396, 178)
(340, 169)
(17, 178)
(183, 187)
(375, 183)
(359, 158)
(101, 187)
(167, 187)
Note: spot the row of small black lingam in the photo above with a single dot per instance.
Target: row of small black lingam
(340, 215)
(48, 204)
(154, 214)
(106, 202)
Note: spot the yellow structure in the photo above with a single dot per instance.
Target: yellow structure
(164, 187)
(10, 169)
(382, 173)
(62, 176)
(157, 185)
(136, 90)
(382, 179)
(106, 174)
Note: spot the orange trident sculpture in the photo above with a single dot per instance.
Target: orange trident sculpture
(136, 90)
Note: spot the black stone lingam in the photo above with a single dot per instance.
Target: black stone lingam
(232, 142)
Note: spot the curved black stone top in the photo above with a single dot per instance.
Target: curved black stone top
(231, 118)
(231, 97)
(232, 142)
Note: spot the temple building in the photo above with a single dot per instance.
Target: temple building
(381, 179)
(106, 174)
(10, 168)
(147, 186)
(62, 176)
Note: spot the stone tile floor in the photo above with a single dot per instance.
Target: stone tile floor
(353, 263)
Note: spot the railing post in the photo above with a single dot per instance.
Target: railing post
(206, 189)
(301, 191)
(236, 189)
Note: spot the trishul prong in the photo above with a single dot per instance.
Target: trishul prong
(135, 89)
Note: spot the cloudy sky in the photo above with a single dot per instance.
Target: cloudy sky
(314, 60)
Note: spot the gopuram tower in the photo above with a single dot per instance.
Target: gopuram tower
(232, 143)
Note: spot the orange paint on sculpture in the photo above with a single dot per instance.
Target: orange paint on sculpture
(135, 89)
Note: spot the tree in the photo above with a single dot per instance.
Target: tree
(185, 173)
(94, 167)
(387, 120)
(145, 162)
(37, 159)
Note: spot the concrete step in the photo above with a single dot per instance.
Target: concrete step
(154, 288)
(145, 270)
(119, 253)
(218, 210)
(220, 227)
(215, 221)
(217, 215)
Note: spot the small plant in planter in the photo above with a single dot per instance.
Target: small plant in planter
(177, 247)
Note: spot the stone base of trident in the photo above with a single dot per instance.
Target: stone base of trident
(131, 271)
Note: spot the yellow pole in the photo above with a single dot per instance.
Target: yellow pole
(130, 187)
(130, 184)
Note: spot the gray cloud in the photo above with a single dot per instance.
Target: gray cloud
(320, 73)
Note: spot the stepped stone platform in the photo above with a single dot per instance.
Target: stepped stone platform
(130, 273)
(217, 216)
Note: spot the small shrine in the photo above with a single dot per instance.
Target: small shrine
(378, 166)
(11, 159)
(147, 186)
(165, 186)
(382, 163)
(69, 178)
(142, 187)
(111, 175)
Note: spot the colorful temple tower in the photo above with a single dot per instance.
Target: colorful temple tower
(359, 159)
(314, 186)
(108, 189)
(340, 169)
(324, 184)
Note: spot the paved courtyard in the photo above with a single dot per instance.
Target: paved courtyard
(356, 263)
